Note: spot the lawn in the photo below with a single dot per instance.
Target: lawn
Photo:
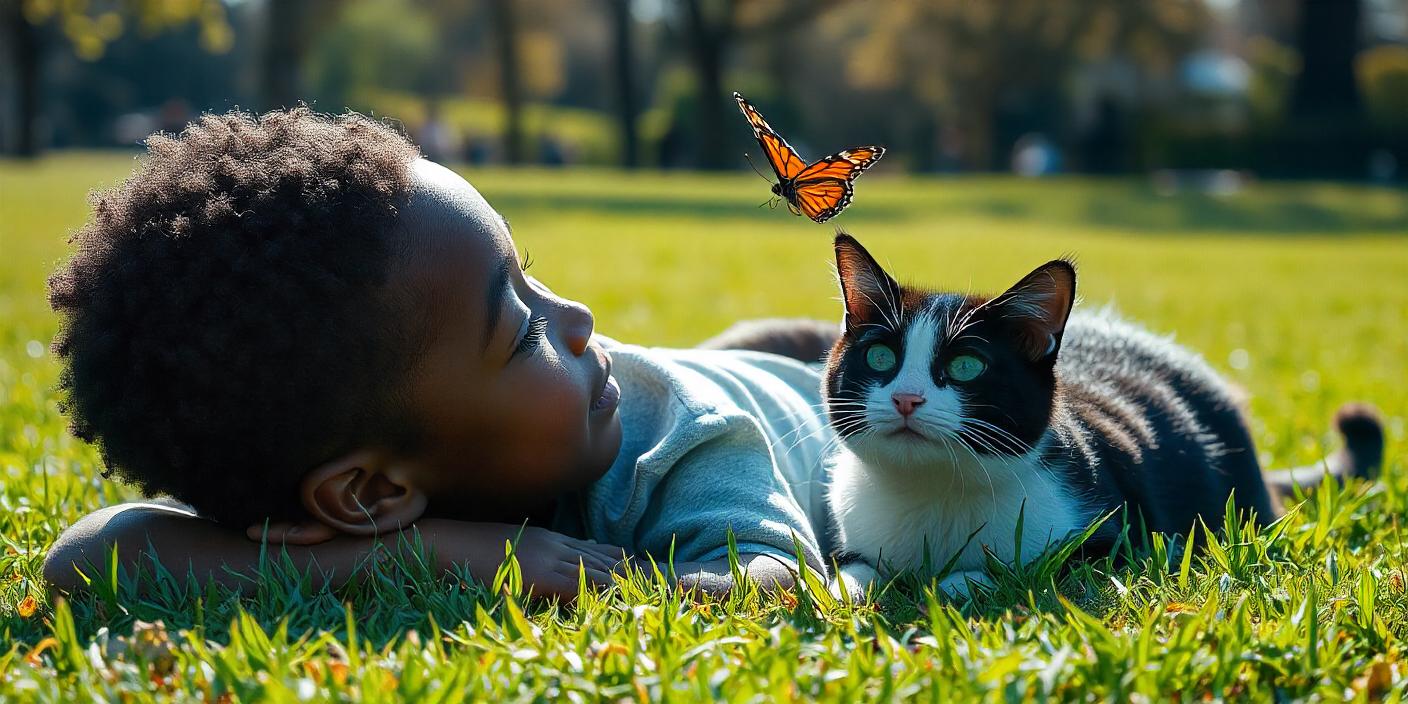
(1299, 292)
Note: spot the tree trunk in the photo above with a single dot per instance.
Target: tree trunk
(285, 45)
(510, 87)
(624, 37)
(1328, 41)
(27, 56)
(708, 42)
(1326, 135)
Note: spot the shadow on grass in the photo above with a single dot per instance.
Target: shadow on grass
(1278, 210)
(650, 206)
(1262, 210)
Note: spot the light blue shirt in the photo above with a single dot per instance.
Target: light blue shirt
(712, 440)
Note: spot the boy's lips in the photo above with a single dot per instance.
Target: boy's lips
(609, 394)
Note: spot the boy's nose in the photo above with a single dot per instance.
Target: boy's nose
(578, 323)
(906, 403)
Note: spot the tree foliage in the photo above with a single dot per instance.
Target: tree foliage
(90, 25)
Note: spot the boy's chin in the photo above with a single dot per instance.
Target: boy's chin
(606, 446)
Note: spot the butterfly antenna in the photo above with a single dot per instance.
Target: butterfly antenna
(755, 168)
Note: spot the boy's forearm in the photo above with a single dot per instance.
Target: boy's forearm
(185, 543)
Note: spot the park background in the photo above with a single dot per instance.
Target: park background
(1228, 171)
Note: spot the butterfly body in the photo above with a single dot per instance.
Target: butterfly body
(820, 190)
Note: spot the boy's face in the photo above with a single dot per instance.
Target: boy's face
(516, 401)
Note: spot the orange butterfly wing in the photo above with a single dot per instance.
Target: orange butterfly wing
(783, 159)
(825, 187)
(822, 200)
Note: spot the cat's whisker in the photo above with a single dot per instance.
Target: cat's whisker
(893, 302)
(997, 429)
(1009, 440)
(792, 445)
(953, 458)
(979, 338)
(874, 325)
(999, 409)
(837, 403)
(885, 312)
(992, 487)
(980, 441)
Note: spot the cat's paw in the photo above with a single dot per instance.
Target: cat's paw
(958, 585)
(854, 581)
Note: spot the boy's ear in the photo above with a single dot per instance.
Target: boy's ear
(361, 493)
(870, 295)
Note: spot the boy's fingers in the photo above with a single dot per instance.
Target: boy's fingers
(610, 554)
(596, 563)
(595, 574)
(605, 555)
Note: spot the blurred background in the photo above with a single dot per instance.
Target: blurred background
(1198, 93)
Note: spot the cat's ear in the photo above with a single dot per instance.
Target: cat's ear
(1039, 305)
(870, 295)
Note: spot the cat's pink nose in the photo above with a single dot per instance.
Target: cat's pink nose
(906, 403)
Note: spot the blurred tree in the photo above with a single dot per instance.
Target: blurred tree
(506, 39)
(375, 46)
(1274, 68)
(89, 26)
(290, 27)
(1383, 75)
(509, 51)
(967, 62)
(1326, 129)
(25, 54)
(1328, 40)
(712, 28)
(623, 37)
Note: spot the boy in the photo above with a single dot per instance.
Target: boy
(313, 336)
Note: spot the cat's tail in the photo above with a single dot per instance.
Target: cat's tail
(1361, 456)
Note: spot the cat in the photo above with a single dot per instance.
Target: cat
(957, 414)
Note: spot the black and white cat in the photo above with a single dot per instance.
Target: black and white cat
(957, 412)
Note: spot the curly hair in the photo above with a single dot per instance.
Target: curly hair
(228, 319)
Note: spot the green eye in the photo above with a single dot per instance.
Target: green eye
(965, 367)
(880, 358)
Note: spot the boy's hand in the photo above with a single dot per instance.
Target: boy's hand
(549, 561)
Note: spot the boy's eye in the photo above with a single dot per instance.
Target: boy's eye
(965, 367)
(537, 329)
(880, 357)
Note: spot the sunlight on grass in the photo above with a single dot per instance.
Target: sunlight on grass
(1298, 292)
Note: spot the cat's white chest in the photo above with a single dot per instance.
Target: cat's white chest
(889, 517)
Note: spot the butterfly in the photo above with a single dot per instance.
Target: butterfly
(820, 190)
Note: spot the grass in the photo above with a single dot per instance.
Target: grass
(1295, 291)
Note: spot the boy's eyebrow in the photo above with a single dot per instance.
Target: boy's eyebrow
(495, 298)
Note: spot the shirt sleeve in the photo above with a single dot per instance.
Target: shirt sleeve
(728, 482)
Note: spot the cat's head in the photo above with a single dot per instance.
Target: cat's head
(923, 378)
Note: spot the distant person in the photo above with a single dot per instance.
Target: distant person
(174, 115)
(1106, 146)
(551, 151)
(1034, 155)
(437, 138)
